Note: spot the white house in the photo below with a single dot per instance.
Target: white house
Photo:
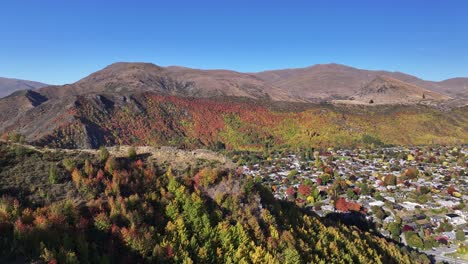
(455, 219)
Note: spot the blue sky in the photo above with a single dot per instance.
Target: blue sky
(62, 41)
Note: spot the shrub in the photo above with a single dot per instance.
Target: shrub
(102, 222)
(460, 235)
(412, 173)
(371, 140)
(53, 175)
(414, 240)
(17, 138)
(103, 154)
(69, 164)
(77, 178)
(132, 153)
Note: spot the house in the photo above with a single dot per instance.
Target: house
(447, 203)
(436, 219)
(410, 206)
(407, 219)
(328, 208)
(442, 239)
(376, 203)
(389, 219)
(420, 216)
(449, 235)
(455, 219)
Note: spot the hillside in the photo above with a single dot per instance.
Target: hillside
(387, 90)
(9, 85)
(456, 87)
(133, 210)
(89, 121)
(335, 81)
(144, 104)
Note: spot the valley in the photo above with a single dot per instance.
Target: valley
(142, 163)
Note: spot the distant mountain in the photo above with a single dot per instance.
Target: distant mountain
(8, 85)
(324, 82)
(334, 81)
(456, 87)
(179, 81)
(387, 90)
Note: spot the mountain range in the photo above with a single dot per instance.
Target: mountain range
(322, 82)
(335, 81)
(9, 85)
(142, 103)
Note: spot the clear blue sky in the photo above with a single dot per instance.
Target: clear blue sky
(62, 41)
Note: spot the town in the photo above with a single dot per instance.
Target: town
(414, 196)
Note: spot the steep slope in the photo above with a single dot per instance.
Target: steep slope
(17, 104)
(139, 103)
(89, 121)
(132, 210)
(334, 81)
(387, 90)
(8, 85)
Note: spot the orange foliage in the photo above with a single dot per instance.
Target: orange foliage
(344, 206)
(77, 178)
(304, 190)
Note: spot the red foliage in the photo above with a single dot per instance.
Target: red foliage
(100, 175)
(56, 219)
(304, 190)
(21, 227)
(357, 190)
(328, 170)
(407, 228)
(169, 251)
(451, 190)
(354, 206)
(115, 230)
(344, 206)
(319, 181)
(139, 164)
(290, 191)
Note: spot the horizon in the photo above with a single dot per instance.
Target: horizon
(215, 69)
(59, 43)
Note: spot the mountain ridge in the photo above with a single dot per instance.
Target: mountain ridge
(10, 85)
(316, 83)
(337, 81)
(142, 103)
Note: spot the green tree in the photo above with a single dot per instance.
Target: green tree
(351, 194)
(394, 229)
(103, 154)
(460, 235)
(132, 153)
(69, 164)
(291, 256)
(292, 174)
(53, 175)
(413, 240)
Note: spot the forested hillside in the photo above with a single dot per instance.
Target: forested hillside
(152, 119)
(133, 210)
